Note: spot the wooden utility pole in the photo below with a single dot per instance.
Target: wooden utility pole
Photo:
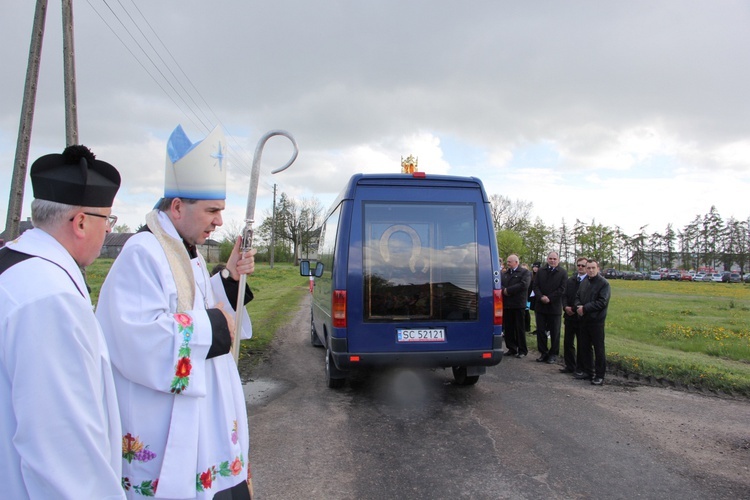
(15, 200)
(20, 164)
(69, 75)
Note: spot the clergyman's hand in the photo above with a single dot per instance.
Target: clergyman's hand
(239, 263)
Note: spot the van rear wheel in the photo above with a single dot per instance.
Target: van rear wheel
(334, 376)
(459, 373)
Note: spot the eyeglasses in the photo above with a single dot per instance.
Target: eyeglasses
(580, 265)
(111, 219)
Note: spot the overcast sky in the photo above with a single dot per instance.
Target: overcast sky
(627, 113)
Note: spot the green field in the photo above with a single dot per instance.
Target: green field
(677, 333)
(691, 334)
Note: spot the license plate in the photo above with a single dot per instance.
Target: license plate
(421, 335)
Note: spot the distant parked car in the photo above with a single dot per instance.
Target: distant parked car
(654, 275)
(746, 278)
(725, 276)
(701, 277)
(735, 278)
(716, 277)
(612, 274)
(686, 277)
(637, 275)
(674, 274)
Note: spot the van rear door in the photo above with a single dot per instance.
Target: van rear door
(420, 269)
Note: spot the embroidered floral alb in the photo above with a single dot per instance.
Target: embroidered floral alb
(182, 371)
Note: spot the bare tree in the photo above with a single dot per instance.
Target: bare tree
(295, 222)
(231, 230)
(509, 214)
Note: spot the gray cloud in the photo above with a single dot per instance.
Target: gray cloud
(606, 84)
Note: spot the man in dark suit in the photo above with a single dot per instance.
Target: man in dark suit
(515, 282)
(592, 301)
(549, 288)
(571, 339)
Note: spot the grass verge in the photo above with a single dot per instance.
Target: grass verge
(686, 334)
(278, 293)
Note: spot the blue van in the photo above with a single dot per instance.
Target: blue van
(407, 274)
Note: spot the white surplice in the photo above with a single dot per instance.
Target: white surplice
(59, 423)
(184, 417)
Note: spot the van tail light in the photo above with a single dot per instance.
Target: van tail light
(498, 307)
(338, 309)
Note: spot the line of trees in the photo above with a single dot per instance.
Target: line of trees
(708, 242)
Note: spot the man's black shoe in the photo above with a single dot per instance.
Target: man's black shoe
(541, 359)
(510, 353)
(551, 360)
(597, 381)
(520, 355)
(566, 370)
(581, 376)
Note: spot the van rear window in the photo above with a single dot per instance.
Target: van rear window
(420, 261)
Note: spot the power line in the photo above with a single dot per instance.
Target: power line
(239, 154)
(158, 83)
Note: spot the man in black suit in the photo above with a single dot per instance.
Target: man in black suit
(549, 288)
(592, 301)
(515, 282)
(572, 336)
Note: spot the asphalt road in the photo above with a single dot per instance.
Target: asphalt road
(524, 431)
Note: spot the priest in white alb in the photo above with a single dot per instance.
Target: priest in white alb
(169, 326)
(59, 423)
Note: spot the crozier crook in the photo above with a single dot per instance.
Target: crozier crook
(247, 232)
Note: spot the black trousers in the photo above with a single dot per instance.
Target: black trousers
(548, 323)
(514, 330)
(571, 341)
(592, 334)
(236, 492)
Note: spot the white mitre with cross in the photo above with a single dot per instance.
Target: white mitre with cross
(196, 170)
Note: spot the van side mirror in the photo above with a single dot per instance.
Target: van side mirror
(304, 269)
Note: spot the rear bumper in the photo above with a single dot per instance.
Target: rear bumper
(343, 359)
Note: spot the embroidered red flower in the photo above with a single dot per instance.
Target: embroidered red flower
(183, 367)
(183, 319)
(236, 467)
(206, 479)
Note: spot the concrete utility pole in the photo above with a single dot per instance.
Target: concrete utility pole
(69, 75)
(15, 200)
